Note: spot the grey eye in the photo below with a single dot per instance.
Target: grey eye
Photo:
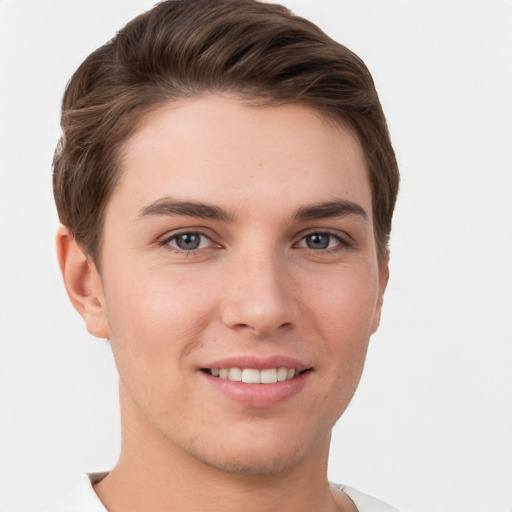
(187, 241)
(318, 241)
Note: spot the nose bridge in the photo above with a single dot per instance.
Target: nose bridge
(260, 297)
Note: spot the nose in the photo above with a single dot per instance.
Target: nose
(259, 295)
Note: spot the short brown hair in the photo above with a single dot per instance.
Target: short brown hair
(186, 48)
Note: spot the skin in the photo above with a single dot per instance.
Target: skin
(253, 287)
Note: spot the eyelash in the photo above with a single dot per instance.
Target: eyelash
(166, 242)
(342, 242)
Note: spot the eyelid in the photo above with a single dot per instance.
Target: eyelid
(164, 240)
(344, 239)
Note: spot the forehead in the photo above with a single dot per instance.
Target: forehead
(217, 148)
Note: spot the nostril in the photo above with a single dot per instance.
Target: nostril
(261, 314)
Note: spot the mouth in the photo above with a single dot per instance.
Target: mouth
(255, 376)
(257, 382)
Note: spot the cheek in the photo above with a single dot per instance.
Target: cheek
(155, 320)
(345, 303)
(156, 303)
(342, 314)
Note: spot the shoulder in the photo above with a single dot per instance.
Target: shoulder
(82, 498)
(364, 502)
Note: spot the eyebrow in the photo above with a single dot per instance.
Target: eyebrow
(322, 210)
(330, 209)
(168, 206)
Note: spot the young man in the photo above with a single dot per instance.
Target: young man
(226, 183)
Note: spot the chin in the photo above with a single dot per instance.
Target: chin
(259, 455)
(255, 464)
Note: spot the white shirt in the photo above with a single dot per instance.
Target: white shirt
(84, 499)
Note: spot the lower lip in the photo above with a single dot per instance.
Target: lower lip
(259, 395)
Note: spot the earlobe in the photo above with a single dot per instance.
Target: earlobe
(83, 283)
(383, 282)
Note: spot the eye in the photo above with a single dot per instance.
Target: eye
(320, 241)
(188, 241)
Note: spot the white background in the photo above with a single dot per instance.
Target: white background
(430, 429)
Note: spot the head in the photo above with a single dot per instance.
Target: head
(184, 49)
(181, 137)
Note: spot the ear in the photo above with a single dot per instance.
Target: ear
(83, 283)
(383, 282)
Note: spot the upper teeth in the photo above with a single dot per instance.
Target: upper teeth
(253, 376)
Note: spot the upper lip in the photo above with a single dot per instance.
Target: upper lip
(258, 363)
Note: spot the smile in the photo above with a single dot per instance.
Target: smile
(254, 376)
(255, 382)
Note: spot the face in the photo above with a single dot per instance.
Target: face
(239, 244)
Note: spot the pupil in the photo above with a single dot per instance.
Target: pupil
(318, 241)
(188, 241)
